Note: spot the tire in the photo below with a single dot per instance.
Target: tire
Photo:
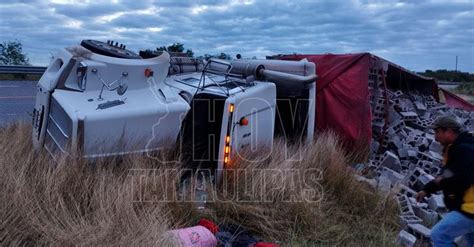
(105, 49)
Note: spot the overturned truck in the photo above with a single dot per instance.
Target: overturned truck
(104, 100)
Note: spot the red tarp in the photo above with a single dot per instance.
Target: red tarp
(455, 101)
(342, 94)
(342, 91)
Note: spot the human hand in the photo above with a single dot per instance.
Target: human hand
(420, 195)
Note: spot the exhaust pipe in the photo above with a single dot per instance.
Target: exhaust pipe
(272, 75)
(246, 68)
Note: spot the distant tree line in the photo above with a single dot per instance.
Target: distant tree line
(222, 55)
(179, 48)
(449, 75)
(11, 53)
(176, 47)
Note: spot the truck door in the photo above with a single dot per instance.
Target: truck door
(247, 124)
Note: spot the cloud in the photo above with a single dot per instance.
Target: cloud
(418, 35)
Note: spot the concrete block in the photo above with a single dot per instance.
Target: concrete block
(418, 179)
(414, 203)
(423, 180)
(429, 135)
(429, 217)
(420, 106)
(429, 167)
(435, 155)
(390, 133)
(409, 116)
(412, 167)
(421, 124)
(425, 143)
(385, 142)
(468, 122)
(377, 126)
(407, 219)
(420, 231)
(438, 110)
(412, 153)
(397, 93)
(393, 176)
(433, 170)
(371, 182)
(391, 161)
(419, 133)
(429, 98)
(381, 98)
(403, 134)
(396, 141)
(409, 130)
(405, 239)
(384, 184)
(426, 114)
(436, 147)
(393, 116)
(378, 116)
(405, 205)
(377, 159)
(436, 203)
(415, 140)
(428, 157)
(374, 145)
(405, 165)
(379, 109)
(459, 115)
(405, 190)
(406, 105)
(403, 152)
(430, 104)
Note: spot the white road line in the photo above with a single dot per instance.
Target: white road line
(8, 86)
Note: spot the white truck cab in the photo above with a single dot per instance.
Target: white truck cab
(104, 100)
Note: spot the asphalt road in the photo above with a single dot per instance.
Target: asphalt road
(17, 99)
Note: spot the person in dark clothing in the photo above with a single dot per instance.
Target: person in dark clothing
(456, 180)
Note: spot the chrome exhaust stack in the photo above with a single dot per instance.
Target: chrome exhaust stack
(291, 80)
(296, 93)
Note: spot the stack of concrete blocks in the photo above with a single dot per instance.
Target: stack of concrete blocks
(373, 83)
(405, 239)
(405, 157)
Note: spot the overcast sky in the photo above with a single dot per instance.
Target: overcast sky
(415, 34)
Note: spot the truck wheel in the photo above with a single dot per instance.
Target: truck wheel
(107, 49)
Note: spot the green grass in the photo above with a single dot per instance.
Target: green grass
(465, 91)
(466, 88)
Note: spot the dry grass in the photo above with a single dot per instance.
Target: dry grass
(73, 202)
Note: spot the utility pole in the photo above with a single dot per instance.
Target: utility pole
(456, 64)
